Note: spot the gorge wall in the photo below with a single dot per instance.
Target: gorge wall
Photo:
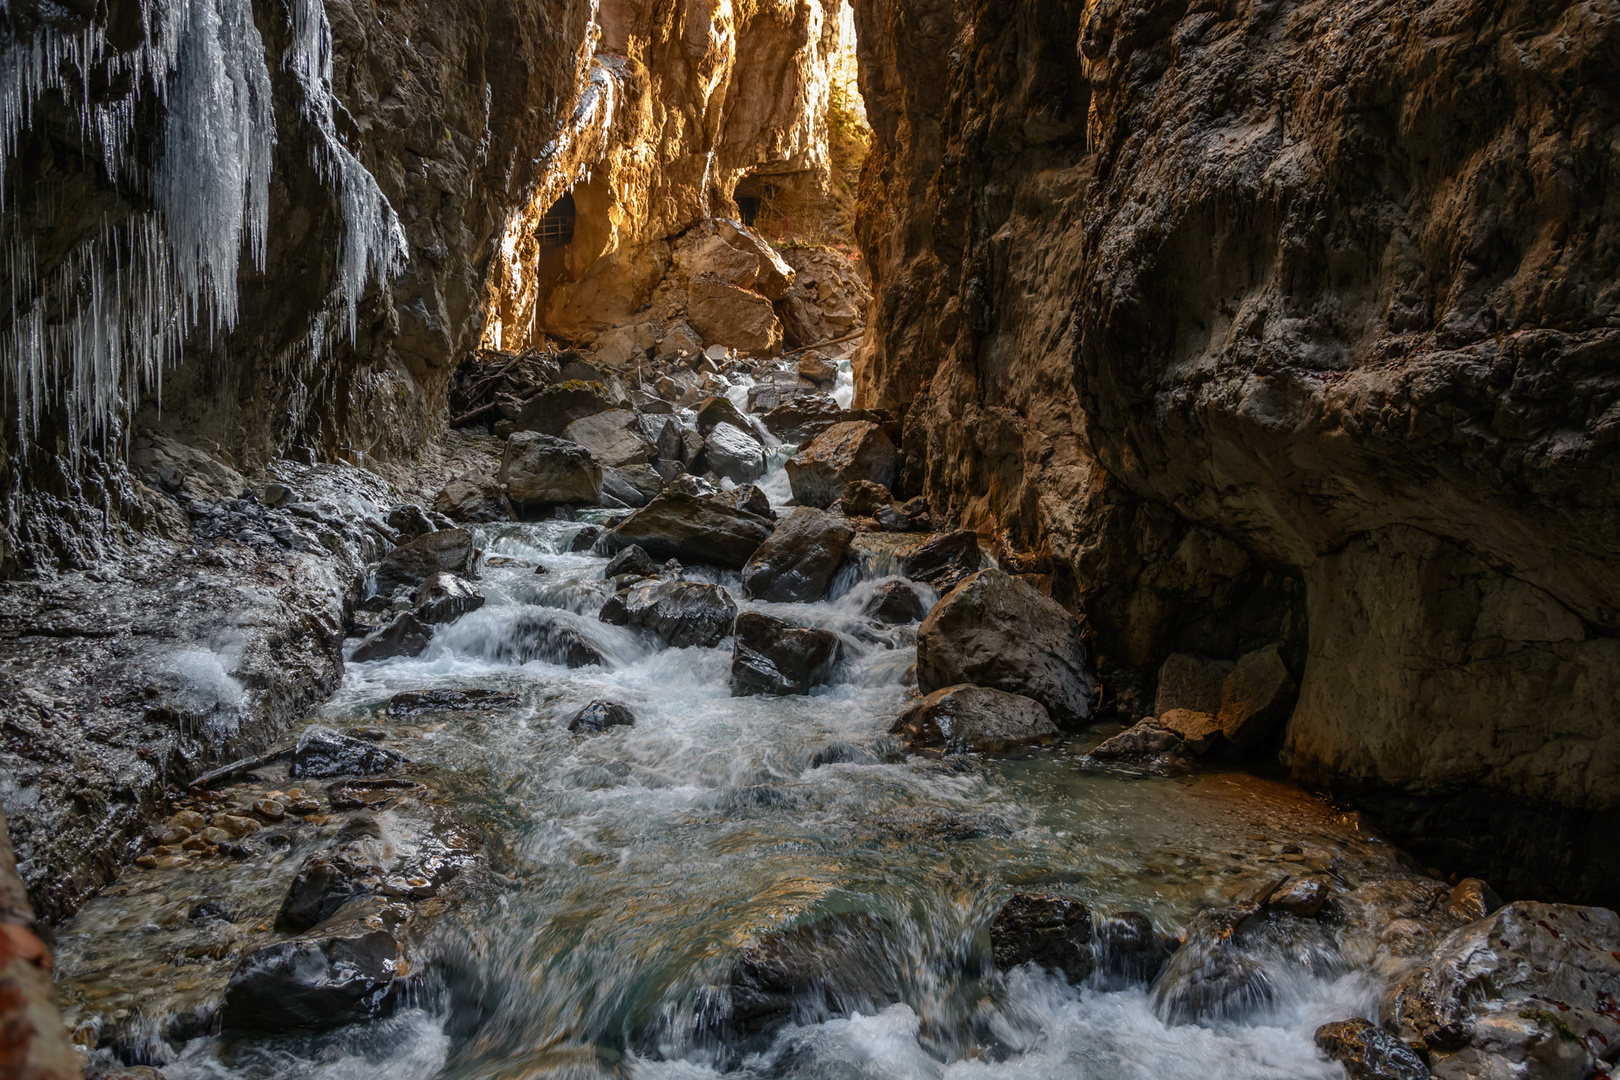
(1253, 321)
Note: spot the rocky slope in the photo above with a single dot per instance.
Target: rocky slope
(1254, 322)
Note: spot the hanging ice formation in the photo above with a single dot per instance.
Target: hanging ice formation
(102, 327)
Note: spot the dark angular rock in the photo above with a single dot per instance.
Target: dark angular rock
(551, 410)
(863, 498)
(836, 965)
(1256, 697)
(632, 560)
(323, 752)
(633, 485)
(1230, 960)
(444, 598)
(585, 539)
(473, 497)
(1144, 744)
(405, 635)
(410, 522)
(343, 971)
(776, 657)
(447, 551)
(683, 613)
(703, 531)
(1052, 931)
(995, 630)
(717, 410)
(798, 560)
(546, 636)
(749, 498)
(802, 418)
(839, 456)
(1368, 1052)
(411, 702)
(1301, 897)
(973, 719)
(598, 716)
(539, 470)
(943, 561)
(908, 517)
(895, 603)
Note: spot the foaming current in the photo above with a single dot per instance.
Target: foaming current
(634, 865)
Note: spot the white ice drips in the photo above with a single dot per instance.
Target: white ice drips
(98, 329)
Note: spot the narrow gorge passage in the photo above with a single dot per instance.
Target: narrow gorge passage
(809, 539)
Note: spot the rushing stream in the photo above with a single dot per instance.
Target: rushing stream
(630, 867)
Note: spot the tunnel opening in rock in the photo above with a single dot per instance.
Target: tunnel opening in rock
(556, 227)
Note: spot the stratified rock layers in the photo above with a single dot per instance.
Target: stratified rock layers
(1288, 323)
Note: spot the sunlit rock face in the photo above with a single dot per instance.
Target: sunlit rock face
(1286, 322)
(279, 215)
(690, 111)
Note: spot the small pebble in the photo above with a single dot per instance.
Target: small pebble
(270, 809)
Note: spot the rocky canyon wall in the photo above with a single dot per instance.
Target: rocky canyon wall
(1253, 321)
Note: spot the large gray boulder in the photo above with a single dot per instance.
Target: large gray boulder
(734, 454)
(733, 317)
(683, 613)
(614, 438)
(447, 551)
(802, 417)
(701, 530)
(473, 497)
(842, 454)
(974, 719)
(1529, 991)
(538, 469)
(798, 561)
(995, 630)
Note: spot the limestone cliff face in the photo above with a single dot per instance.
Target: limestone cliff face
(1287, 321)
(281, 213)
(689, 104)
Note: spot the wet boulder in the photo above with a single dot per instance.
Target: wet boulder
(539, 469)
(551, 410)
(798, 561)
(839, 456)
(409, 521)
(404, 635)
(831, 967)
(473, 497)
(749, 498)
(1368, 1052)
(1146, 745)
(549, 637)
(995, 630)
(802, 418)
(683, 613)
(732, 453)
(895, 603)
(411, 702)
(448, 551)
(1231, 959)
(598, 716)
(1528, 991)
(1127, 949)
(1256, 697)
(944, 561)
(613, 437)
(346, 970)
(818, 368)
(444, 598)
(701, 530)
(1051, 931)
(323, 752)
(773, 656)
(1302, 897)
(973, 719)
(632, 560)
